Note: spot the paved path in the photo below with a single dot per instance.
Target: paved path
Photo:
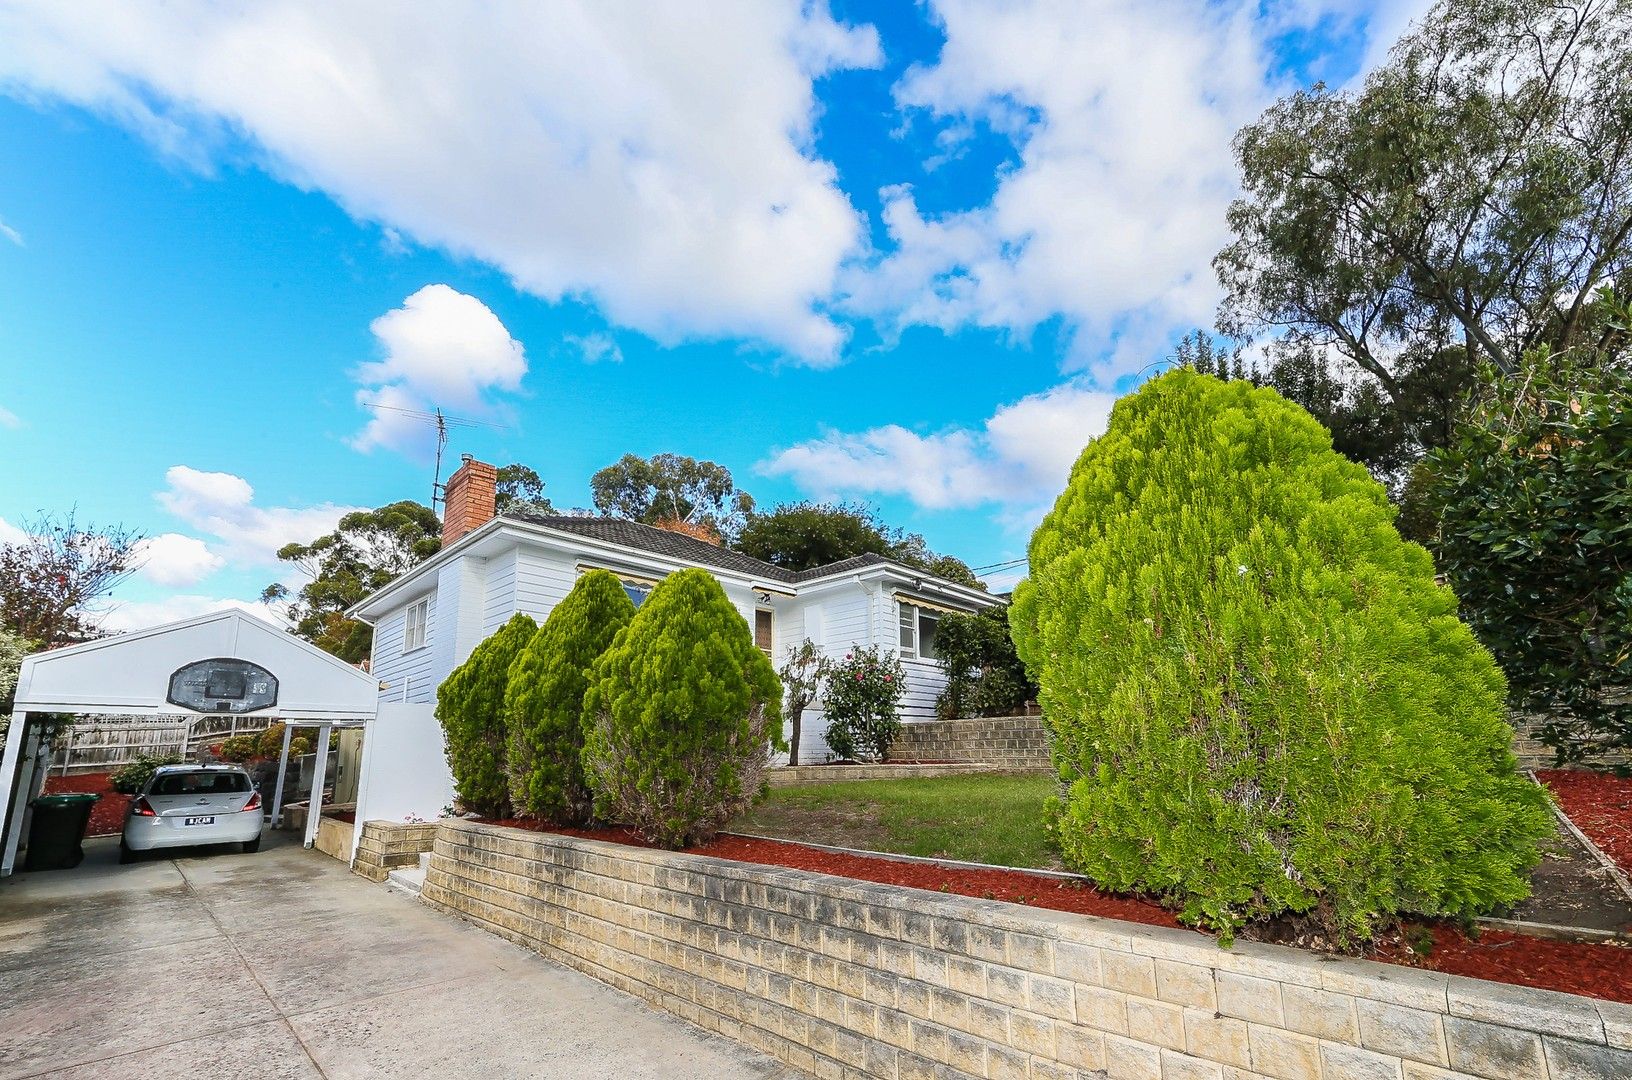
(282, 964)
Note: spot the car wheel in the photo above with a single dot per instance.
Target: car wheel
(252, 846)
(125, 854)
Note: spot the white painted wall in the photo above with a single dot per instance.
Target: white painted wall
(405, 767)
(405, 676)
(477, 596)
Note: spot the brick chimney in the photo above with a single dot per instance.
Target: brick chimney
(468, 498)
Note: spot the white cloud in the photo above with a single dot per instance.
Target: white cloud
(176, 561)
(1018, 459)
(126, 615)
(657, 158)
(11, 534)
(11, 234)
(1122, 112)
(441, 349)
(222, 505)
(9, 419)
(595, 348)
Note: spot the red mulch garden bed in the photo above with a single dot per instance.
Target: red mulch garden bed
(108, 815)
(1595, 970)
(1600, 805)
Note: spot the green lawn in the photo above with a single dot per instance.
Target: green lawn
(987, 819)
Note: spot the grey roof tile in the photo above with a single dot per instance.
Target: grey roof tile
(663, 542)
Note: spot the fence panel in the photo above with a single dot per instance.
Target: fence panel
(102, 743)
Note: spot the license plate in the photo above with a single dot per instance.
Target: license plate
(199, 821)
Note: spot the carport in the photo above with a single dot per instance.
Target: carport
(225, 662)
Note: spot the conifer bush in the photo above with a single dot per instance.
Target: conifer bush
(470, 707)
(1262, 703)
(681, 715)
(544, 703)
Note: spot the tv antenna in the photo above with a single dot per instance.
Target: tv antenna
(441, 421)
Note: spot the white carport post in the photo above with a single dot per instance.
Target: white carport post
(283, 770)
(314, 807)
(13, 800)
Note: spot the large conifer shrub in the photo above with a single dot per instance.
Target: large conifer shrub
(682, 713)
(544, 705)
(1262, 703)
(470, 706)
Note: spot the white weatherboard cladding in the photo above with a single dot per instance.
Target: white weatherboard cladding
(499, 591)
(544, 577)
(475, 596)
(405, 676)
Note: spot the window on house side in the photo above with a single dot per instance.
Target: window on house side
(637, 590)
(413, 629)
(918, 627)
(762, 630)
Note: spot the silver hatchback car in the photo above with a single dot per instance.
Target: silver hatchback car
(191, 805)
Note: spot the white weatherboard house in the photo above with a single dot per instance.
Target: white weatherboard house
(490, 567)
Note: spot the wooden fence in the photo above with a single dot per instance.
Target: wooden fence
(100, 743)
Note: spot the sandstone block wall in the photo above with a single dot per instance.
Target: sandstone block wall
(850, 979)
(1014, 742)
(386, 845)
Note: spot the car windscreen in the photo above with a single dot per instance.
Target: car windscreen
(200, 783)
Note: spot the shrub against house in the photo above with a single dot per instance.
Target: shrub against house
(470, 706)
(984, 674)
(862, 703)
(1261, 701)
(544, 701)
(682, 713)
(662, 719)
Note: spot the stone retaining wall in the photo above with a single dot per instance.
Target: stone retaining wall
(791, 775)
(334, 838)
(850, 979)
(386, 845)
(1015, 742)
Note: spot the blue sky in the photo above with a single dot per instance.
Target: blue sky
(897, 253)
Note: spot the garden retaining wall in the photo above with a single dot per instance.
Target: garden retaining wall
(849, 979)
(1014, 742)
(386, 845)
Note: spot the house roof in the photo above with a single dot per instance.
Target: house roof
(663, 542)
(634, 536)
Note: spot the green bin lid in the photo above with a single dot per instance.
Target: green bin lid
(70, 798)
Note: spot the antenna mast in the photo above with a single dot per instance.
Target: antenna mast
(441, 445)
(441, 421)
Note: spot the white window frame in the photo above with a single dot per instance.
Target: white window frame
(909, 619)
(413, 629)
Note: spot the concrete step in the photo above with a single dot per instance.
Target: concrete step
(406, 879)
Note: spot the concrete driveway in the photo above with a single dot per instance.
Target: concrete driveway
(282, 964)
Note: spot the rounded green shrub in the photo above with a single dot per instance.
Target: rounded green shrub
(681, 715)
(1262, 703)
(544, 704)
(239, 748)
(470, 707)
(861, 701)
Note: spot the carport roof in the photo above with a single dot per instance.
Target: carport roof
(129, 674)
